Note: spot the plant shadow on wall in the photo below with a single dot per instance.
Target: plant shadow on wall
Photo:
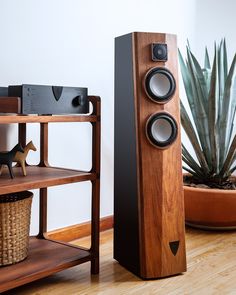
(209, 187)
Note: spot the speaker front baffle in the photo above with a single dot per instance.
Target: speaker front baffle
(149, 234)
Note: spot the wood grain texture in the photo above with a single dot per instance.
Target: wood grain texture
(39, 177)
(43, 209)
(211, 271)
(46, 119)
(45, 257)
(160, 173)
(10, 105)
(44, 145)
(22, 134)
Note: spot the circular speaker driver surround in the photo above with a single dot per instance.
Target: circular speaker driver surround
(160, 85)
(162, 129)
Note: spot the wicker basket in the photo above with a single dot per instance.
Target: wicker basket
(15, 212)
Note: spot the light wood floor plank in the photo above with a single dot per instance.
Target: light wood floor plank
(211, 260)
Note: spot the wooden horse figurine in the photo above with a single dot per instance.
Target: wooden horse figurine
(20, 157)
(6, 158)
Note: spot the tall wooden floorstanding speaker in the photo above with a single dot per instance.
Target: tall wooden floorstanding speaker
(149, 236)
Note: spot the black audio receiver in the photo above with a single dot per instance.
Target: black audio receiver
(43, 99)
(3, 91)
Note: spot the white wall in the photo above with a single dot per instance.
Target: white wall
(71, 42)
(214, 20)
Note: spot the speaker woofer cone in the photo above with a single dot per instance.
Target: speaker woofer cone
(160, 84)
(162, 129)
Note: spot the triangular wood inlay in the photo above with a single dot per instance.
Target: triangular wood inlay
(174, 247)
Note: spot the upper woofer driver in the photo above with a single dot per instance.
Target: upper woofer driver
(160, 84)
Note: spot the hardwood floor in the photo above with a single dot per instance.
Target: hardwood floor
(211, 260)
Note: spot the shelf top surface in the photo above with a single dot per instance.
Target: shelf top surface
(40, 177)
(45, 258)
(8, 119)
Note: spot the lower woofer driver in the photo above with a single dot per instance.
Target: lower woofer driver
(162, 129)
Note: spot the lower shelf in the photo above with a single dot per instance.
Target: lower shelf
(45, 258)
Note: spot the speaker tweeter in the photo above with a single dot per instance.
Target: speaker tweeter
(159, 52)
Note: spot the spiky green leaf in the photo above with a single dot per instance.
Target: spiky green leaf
(207, 64)
(189, 129)
(225, 59)
(185, 76)
(213, 103)
(227, 115)
(198, 109)
(229, 159)
(190, 161)
(200, 81)
(189, 170)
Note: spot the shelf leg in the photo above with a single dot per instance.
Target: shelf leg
(43, 145)
(96, 143)
(95, 226)
(42, 212)
(22, 134)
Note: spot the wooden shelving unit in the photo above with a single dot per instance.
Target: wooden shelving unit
(48, 256)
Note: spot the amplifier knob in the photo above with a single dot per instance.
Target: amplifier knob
(78, 101)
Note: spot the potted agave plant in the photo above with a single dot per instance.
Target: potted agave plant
(209, 185)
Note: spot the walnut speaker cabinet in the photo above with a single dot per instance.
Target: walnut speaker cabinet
(149, 234)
